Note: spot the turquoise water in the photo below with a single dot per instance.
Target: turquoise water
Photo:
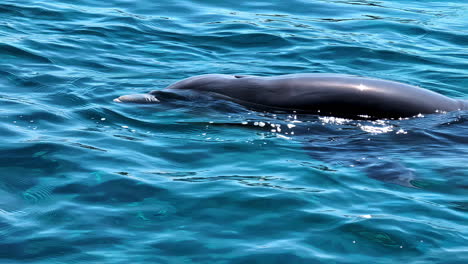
(87, 180)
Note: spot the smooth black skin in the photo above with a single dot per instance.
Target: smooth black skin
(325, 94)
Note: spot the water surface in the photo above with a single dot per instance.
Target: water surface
(86, 180)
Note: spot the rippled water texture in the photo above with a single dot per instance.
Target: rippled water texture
(87, 180)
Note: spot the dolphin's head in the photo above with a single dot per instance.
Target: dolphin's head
(216, 83)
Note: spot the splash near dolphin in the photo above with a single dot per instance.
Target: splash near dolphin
(324, 94)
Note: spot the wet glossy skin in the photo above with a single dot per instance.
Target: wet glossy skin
(325, 94)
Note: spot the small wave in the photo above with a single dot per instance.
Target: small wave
(12, 52)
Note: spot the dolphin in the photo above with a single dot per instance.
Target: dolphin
(337, 95)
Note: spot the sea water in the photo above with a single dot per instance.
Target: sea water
(86, 180)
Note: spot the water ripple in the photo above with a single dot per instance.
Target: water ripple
(85, 180)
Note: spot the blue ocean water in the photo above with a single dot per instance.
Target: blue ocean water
(87, 180)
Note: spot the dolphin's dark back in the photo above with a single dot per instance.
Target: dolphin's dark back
(328, 94)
